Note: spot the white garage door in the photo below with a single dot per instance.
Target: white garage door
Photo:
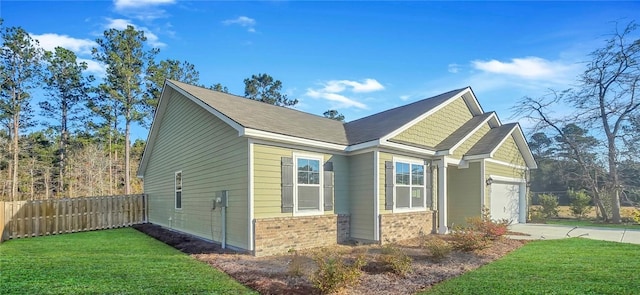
(505, 201)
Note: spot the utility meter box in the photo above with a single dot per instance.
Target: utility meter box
(222, 198)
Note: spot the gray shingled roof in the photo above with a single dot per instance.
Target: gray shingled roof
(261, 116)
(491, 140)
(461, 132)
(378, 125)
(281, 120)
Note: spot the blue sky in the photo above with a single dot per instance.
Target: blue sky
(357, 57)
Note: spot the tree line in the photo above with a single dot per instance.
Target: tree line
(79, 142)
(592, 146)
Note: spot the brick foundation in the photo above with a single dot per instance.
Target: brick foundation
(278, 235)
(402, 226)
(344, 228)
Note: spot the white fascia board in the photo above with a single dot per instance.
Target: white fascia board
(235, 125)
(259, 134)
(457, 145)
(412, 149)
(524, 149)
(506, 164)
(364, 145)
(293, 146)
(506, 179)
(423, 116)
(476, 157)
(443, 153)
(472, 101)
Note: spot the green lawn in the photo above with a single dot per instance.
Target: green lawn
(590, 223)
(566, 266)
(118, 261)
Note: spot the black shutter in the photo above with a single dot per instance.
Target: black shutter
(388, 185)
(328, 186)
(429, 183)
(287, 185)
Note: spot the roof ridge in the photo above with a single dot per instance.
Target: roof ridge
(248, 100)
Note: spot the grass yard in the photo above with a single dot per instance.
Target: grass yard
(118, 261)
(566, 266)
(590, 223)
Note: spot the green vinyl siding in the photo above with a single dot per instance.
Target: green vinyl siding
(382, 191)
(267, 175)
(436, 127)
(212, 158)
(463, 193)
(509, 152)
(341, 184)
(361, 192)
(471, 141)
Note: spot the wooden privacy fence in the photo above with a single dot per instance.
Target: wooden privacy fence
(21, 219)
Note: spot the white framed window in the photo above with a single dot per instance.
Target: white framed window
(308, 197)
(178, 190)
(409, 184)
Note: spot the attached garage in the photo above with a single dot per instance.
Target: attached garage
(507, 200)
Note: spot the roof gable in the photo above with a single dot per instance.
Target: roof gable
(441, 101)
(458, 136)
(269, 118)
(491, 142)
(382, 124)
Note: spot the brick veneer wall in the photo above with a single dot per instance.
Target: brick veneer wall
(402, 226)
(344, 228)
(278, 235)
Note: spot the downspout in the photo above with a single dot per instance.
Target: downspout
(224, 227)
(225, 202)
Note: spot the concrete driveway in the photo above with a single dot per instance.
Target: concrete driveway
(547, 231)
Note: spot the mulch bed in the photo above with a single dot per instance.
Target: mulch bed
(272, 274)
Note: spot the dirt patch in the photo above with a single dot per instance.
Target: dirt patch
(274, 275)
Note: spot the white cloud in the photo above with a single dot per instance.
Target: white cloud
(453, 68)
(369, 85)
(331, 91)
(121, 24)
(50, 41)
(532, 67)
(93, 67)
(126, 4)
(405, 97)
(243, 21)
(341, 99)
(118, 23)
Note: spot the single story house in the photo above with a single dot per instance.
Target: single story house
(266, 179)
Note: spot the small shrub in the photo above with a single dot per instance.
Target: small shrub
(393, 257)
(334, 273)
(549, 205)
(438, 249)
(536, 216)
(466, 239)
(296, 263)
(423, 239)
(492, 229)
(636, 216)
(579, 203)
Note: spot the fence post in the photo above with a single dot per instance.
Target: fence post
(3, 234)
